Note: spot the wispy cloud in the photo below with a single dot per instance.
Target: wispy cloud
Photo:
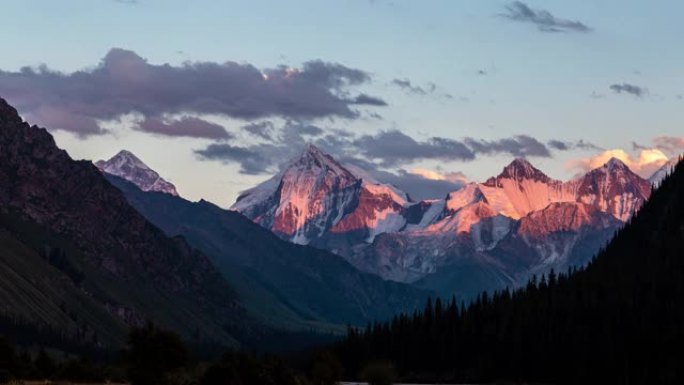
(413, 89)
(263, 130)
(581, 144)
(628, 89)
(670, 145)
(543, 19)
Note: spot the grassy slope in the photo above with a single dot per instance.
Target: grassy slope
(35, 291)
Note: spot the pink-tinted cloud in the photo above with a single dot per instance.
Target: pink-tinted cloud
(645, 162)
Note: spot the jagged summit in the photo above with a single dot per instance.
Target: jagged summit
(315, 194)
(519, 169)
(613, 188)
(128, 166)
(312, 158)
(127, 157)
(8, 113)
(615, 164)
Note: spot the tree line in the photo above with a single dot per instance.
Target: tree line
(620, 319)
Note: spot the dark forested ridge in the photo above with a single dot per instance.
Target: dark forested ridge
(619, 320)
(77, 261)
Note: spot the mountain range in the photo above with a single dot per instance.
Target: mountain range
(483, 236)
(92, 250)
(618, 320)
(80, 263)
(86, 255)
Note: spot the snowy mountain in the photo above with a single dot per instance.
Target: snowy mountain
(502, 230)
(128, 166)
(612, 188)
(314, 196)
(662, 172)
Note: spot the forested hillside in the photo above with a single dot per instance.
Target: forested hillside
(619, 320)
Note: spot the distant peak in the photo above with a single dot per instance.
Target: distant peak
(125, 157)
(310, 147)
(125, 153)
(519, 169)
(520, 164)
(311, 150)
(128, 166)
(313, 153)
(615, 163)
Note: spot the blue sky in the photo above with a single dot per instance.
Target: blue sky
(476, 73)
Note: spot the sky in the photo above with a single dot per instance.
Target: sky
(217, 95)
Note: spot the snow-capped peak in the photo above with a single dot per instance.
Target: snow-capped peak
(315, 194)
(313, 158)
(518, 170)
(614, 164)
(663, 171)
(128, 166)
(612, 188)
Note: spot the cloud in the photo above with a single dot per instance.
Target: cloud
(567, 145)
(262, 130)
(518, 146)
(281, 144)
(394, 147)
(644, 163)
(417, 186)
(412, 89)
(628, 89)
(453, 177)
(407, 86)
(389, 149)
(670, 144)
(369, 100)
(559, 145)
(251, 161)
(383, 155)
(186, 126)
(124, 82)
(544, 20)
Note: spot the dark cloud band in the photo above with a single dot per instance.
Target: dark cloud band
(124, 83)
(628, 89)
(543, 19)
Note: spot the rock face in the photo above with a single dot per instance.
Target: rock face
(613, 188)
(73, 203)
(128, 166)
(296, 286)
(315, 196)
(510, 226)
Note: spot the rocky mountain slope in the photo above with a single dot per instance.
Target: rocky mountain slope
(65, 222)
(128, 166)
(484, 235)
(315, 196)
(283, 284)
